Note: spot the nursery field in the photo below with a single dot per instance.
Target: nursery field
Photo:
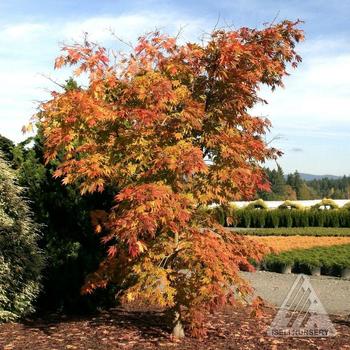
(332, 258)
(310, 250)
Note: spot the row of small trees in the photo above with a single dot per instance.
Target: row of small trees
(325, 203)
(291, 218)
(252, 217)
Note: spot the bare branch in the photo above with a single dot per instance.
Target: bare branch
(53, 81)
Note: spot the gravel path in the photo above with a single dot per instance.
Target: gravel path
(334, 293)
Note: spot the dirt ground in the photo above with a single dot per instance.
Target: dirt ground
(124, 329)
(333, 292)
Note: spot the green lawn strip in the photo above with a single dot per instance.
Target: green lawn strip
(331, 258)
(295, 231)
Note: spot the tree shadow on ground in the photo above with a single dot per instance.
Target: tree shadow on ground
(152, 324)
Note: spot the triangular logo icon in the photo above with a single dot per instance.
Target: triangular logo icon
(301, 313)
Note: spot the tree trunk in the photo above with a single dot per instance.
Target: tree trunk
(178, 330)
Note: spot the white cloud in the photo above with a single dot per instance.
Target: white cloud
(130, 26)
(317, 92)
(22, 31)
(27, 50)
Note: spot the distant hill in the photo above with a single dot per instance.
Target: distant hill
(309, 177)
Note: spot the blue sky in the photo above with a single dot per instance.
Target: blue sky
(311, 116)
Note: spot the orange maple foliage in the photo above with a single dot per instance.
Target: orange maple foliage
(169, 125)
(285, 243)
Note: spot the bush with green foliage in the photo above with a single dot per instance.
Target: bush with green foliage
(346, 206)
(296, 231)
(257, 204)
(21, 260)
(6, 147)
(326, 203)
(68, 239)
(274, 218)
(333, 258)
(290, 205)
(258, 218)
(219, 214)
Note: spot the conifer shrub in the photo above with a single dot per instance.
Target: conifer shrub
(286, 216)
(333, 219)
(297, 231)
(246, 217)
(21, 260)
(326, 203)
(319, 218)
(261, 218)
(344, 218)
(274, 218)
(304, 219)
(219, 214)
(290, 205)
(257, 204)
(346, 206)
(295, 215)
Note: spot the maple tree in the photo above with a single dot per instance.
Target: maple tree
(168, 124)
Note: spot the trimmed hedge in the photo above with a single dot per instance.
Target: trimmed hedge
(274, 218)
(330, 259)
(296, 231)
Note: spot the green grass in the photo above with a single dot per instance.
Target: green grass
(294, 231)
(330, 258)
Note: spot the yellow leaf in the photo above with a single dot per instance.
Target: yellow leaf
(132, 169)
(142, 246)
(27, 128)
(130, 296)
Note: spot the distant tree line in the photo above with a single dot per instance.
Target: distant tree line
(293, 187)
